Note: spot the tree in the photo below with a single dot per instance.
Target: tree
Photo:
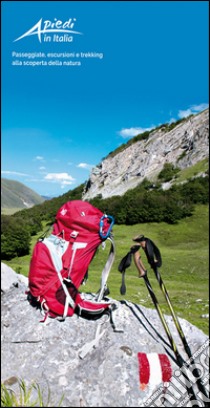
(15, 238)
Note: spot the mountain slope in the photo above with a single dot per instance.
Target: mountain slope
(183, 144)
(15, 195)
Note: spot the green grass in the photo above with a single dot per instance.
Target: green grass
(192, 171)
(24, 396)
(9, 211)
(185, 271)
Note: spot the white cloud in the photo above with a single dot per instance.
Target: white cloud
(42, 168)
(172, 120)
(201, 107)
(39, 158)
(65, 183)
(15, 173)
(133, 131)
(85, 166)
(184, 113)
(192, 110)
(58, 176)
(62, 178)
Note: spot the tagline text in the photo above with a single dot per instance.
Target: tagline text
(35, 59)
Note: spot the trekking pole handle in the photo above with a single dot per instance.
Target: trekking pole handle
(101, 225)
(139, 265)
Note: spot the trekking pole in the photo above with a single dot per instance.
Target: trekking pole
(150, 250)
(124, 264)
(181, 334)
(155, 261)
(180, 361)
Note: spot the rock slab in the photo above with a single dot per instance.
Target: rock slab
(108, 376)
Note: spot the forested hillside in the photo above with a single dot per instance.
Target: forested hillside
(145, 203)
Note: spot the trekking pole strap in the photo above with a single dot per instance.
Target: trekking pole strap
(94, 343)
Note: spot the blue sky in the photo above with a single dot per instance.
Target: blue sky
(147, 65)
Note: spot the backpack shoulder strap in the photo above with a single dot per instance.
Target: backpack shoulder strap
(106, 270)
(52, 243)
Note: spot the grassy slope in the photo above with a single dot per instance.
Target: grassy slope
(9, 211)
(192, 171)
(185, 271)
(13, 195)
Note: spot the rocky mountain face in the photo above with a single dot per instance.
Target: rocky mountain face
(112, 373)
(183, 146)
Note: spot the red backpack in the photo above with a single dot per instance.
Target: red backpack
(59, 263)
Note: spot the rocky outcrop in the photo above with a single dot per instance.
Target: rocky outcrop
(10, 278)
(109, 374)
(185, 145)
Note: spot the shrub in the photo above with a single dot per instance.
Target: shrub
(168, 172)
(15, 238)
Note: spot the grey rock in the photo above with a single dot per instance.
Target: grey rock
(10, 278)
(183, 146)
(108, 376)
